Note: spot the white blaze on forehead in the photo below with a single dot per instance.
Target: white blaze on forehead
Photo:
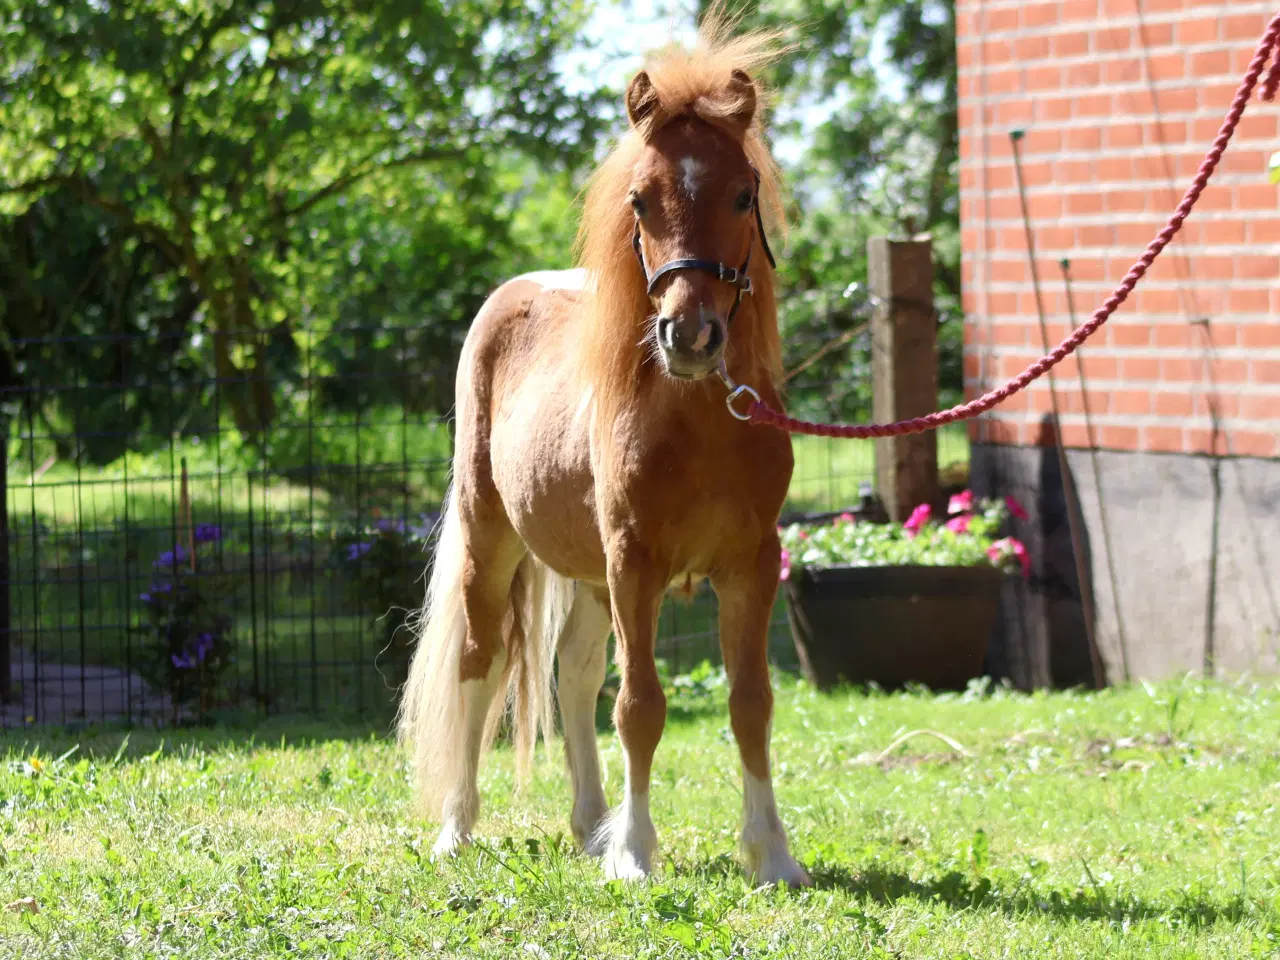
(692, 171)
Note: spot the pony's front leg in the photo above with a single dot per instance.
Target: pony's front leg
(636, 588)
(746, 600)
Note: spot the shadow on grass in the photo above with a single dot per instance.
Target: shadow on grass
(958, 891)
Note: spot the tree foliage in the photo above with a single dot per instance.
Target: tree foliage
(212, 174)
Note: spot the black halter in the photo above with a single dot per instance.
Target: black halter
(737, 276)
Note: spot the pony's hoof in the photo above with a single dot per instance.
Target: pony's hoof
(590, 830)
(621, 864)
(783, 869)
(450, 842)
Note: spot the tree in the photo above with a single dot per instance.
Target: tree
(869, 87)
(196, 143)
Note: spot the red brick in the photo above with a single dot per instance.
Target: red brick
(1229, 370)
(1140, 368)
(1119, 438)
(1167, 66)
(1040, 14)
(1112, 169)
(1167, 404)
(1122, 71)
(1094, 105)
(1223, 231)
(1031, 47)
(1125, 134)
(1079, 9)
(1210, 63)
(1255, 126)
(1095, 236)
(1083, 138)
(1171, 335)
(1244, 27)
(1112, 39)
(1260, 335)
(999, 21)
(1266, 371)
(1200, 440)
(1044, 78)
(1051, 108)
(1253, 443)
(1131, 402)
(1260, 407)
(1080, 76)
(1258, 267)
(1162, 439)
(1197, 30)
(1008, 80)
(1070, 44)
(1181, 369)
(1084, 203)
(1264, 231)
(1126, 200)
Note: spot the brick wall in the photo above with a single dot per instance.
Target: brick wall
(1119, 100)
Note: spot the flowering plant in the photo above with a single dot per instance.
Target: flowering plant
(384, 561)
(189, 637)
(969, 537)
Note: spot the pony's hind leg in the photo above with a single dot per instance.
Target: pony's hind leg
(582, 651)
(627, 836)
(488, 571)
(746, 599)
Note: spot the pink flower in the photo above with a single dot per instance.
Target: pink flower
(785, 572)
(843, 518)
(803, 535)
(959, 524)
(1015, 508)
(961, 503)
(919, 517)
(1011, 546)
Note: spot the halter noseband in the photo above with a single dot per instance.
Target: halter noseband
(736, 276)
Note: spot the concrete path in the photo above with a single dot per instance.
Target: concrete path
(61, 693)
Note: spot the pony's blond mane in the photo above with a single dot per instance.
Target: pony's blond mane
(689, 82)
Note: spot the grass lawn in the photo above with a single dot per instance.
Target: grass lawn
(1128, 823)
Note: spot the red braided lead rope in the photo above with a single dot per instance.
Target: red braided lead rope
(760, 412)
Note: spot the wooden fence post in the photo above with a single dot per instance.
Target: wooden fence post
(904, 369)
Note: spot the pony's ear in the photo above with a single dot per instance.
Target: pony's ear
(741, 100)
(642, 100)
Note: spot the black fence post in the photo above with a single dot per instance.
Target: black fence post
(6, 633)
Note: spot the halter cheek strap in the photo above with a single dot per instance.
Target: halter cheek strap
(736, 276)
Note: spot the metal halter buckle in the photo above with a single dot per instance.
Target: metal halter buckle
(736, 390)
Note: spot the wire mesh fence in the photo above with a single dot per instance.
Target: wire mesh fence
(183, 541)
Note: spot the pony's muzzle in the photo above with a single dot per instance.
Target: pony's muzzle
(691, 344)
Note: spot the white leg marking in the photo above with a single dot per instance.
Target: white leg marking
(629, 839)
(764, 842)
(583, 655)
(462, 803)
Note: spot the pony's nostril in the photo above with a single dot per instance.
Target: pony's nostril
(715, 337)
(667, 333)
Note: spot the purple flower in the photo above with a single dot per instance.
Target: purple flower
(959, 524)
(1015, 508)
(181, 661)
(204, 646)
(208, 532)
(387, 526)
(960, 503)
(919, 517)
(170, 558)
(144, 597)
(357, 550)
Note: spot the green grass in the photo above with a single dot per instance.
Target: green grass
(1127, 823)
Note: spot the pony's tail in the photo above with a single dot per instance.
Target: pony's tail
(432, 723)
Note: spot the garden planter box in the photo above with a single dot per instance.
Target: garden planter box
(893, 625)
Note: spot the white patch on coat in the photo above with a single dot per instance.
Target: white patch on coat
(575, 279)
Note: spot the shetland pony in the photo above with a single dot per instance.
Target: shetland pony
(596, 466)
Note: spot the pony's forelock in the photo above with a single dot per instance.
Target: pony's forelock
(689, 81)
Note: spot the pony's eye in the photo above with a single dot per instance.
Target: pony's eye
(637, 205)
(744, 202)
